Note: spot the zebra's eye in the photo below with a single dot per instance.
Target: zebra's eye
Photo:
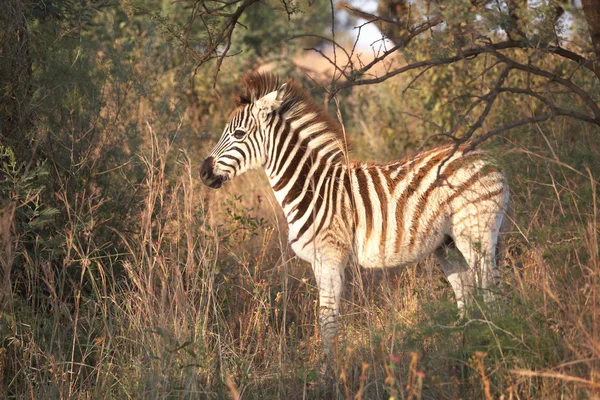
(238, 134)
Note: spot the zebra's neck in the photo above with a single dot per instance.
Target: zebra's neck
(302, 154)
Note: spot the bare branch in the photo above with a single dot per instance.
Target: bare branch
(564, 82)
(363, 14)
(323, 38)
(555, 109)
(463, 54)
(417, 31)
(222, 38)
(592, 65)
(330, 61)
(489, 98)
(503, 128)
(525, 121)
(591, 9)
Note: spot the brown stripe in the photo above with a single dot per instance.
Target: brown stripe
(463, 188)
(335, 189)
(412, 159)
(388, 179)
(336, 186)
(410, 190)
(351, 213)
(482, 198)
(272, 142)
(289, 172)
(393, 183)
(363, 190)
(424, 171)
(293, 165)
(448, 172)
(282, 138)
(288, 150)
(308, 194)
(298, 185)
(400, 205)
(383, 202)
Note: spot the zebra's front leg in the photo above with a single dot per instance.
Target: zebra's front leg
(330, 281)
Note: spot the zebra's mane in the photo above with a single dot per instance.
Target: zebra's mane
(296, 101)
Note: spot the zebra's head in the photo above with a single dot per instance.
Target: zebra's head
(242, 144)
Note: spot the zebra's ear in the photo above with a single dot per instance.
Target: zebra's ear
(281, 93)
(271, 101)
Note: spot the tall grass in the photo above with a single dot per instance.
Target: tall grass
(206, 300)
(121, 276)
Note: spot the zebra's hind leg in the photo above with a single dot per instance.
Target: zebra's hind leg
(458, 273)
(479, 250)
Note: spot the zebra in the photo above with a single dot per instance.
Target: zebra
(448, 201)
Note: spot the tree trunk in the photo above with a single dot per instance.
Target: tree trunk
(15, 77)
(394, 17)
(591, 10)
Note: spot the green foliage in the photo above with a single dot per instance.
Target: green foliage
(284, 23)
(21, 191)
(243, 222)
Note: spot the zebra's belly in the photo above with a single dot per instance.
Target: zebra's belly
(304, 246)
(374, 256)
(397, 251)
(370, 252)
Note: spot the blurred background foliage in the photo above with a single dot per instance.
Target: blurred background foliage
(122, 276)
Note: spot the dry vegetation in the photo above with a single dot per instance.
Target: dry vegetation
(209, 300)
(123, 277)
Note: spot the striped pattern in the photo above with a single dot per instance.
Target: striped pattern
(444, 201)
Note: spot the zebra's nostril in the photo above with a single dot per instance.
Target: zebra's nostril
(207, 168)
(208, 175)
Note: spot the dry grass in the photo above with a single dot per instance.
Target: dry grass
(181, 292)
(210, 303)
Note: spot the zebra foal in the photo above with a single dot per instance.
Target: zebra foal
(444, 201)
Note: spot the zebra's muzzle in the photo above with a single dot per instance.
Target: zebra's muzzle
(208, 176)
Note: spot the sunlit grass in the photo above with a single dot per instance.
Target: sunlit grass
(211, 303)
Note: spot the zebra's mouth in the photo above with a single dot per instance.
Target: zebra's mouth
(209, 178)
(216, 182)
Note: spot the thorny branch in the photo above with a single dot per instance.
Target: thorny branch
(488, 100)
(498, 88)
(219, 42)
(395, 20)
(406, 31)
(465, 54)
